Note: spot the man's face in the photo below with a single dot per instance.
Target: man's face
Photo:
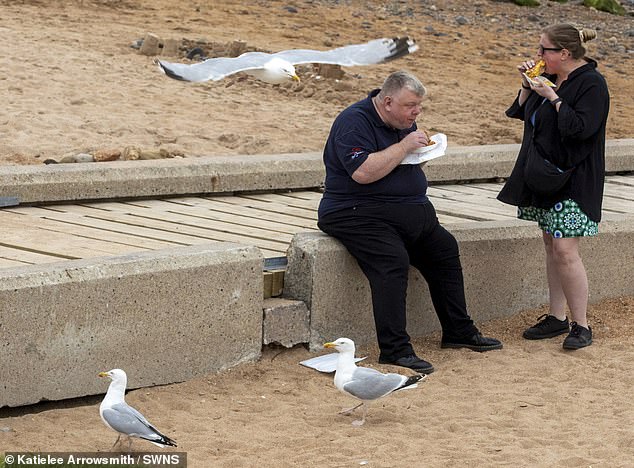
(402, 108)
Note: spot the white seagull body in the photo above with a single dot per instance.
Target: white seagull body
(279, 67)
(122, 418)
(363, 383)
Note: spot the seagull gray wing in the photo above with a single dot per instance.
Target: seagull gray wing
(214, 68)
(126, 420)
(370, 384)
(376, 51)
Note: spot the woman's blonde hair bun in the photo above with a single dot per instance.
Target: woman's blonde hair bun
(586, 35)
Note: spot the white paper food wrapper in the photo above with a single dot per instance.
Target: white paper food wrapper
(427, 153)
(540, 79)
(325, 363)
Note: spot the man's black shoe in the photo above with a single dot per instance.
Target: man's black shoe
(547, 326)
(412, 362)
(476, 342)
(579, 337)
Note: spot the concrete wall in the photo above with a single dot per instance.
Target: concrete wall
(222, 174)
(164, 316)
(503, 266)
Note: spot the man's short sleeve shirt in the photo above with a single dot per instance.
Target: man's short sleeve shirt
(356, 133)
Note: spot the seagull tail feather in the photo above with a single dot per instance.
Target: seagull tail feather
(401, 46)
(411, 382)
(163, 441)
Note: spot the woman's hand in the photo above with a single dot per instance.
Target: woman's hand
(523, 68)
(544, 90)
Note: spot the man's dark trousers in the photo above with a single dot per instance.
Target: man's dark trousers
(386, 239)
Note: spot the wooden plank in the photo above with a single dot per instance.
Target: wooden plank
(465, 192)
(480, 204)
(204, 213)
(53, 221)
(492, 187)
(618, 204)
(490, 211)
(619, 190)
(51, 243)
(269, 206)
(303, 195)
(227, 231)
(171, 239)
(285, 200)
(248, 212)
(443, 190)
(114, 226)
(181, 228)
(26, 257)
(467, 210)
(8, 263)
(451, 219)
(623, 180)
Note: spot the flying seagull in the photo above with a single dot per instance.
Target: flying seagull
(279, 67)
(122, 418)
(363, 383)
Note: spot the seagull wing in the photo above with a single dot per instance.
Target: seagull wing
(376, 51)
(370, 384)
(214, 68)
(124, 419)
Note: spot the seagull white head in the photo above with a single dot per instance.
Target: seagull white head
(343, 345)
(119, 380)
(276, 70)
(117, 375)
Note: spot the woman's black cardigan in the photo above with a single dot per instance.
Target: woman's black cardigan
(574, 136)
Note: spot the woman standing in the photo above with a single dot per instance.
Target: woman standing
(558, 176)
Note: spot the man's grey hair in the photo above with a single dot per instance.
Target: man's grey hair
(399, 80)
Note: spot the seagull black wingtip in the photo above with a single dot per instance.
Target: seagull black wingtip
(401, 46)
(169, 72)
(412, 380)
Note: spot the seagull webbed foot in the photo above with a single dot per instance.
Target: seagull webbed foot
(348, 411)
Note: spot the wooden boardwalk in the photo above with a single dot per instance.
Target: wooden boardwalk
(36, 235)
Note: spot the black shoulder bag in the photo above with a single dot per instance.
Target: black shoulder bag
(542, 176)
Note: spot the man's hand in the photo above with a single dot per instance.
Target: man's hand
(414, 140)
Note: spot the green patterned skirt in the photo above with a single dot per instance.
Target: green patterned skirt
(564, 219)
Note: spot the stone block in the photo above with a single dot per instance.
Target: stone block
(286, 322)
(164, 316)
(151, 45)
(504, 271)
(170, 48)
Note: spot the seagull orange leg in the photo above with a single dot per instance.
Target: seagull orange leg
(361, 421)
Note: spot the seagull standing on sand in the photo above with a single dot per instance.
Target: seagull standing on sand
(122, 418)
(364, 383)
(279, 67)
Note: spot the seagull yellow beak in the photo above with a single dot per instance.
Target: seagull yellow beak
(102, 374)
(295, 78)
(329, 345)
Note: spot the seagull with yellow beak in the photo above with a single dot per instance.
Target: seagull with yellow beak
(122, 418)
(364, 383)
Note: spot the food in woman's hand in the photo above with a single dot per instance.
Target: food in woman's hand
(537, 70)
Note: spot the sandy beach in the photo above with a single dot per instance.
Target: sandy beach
(531, 404)
(72, 83)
